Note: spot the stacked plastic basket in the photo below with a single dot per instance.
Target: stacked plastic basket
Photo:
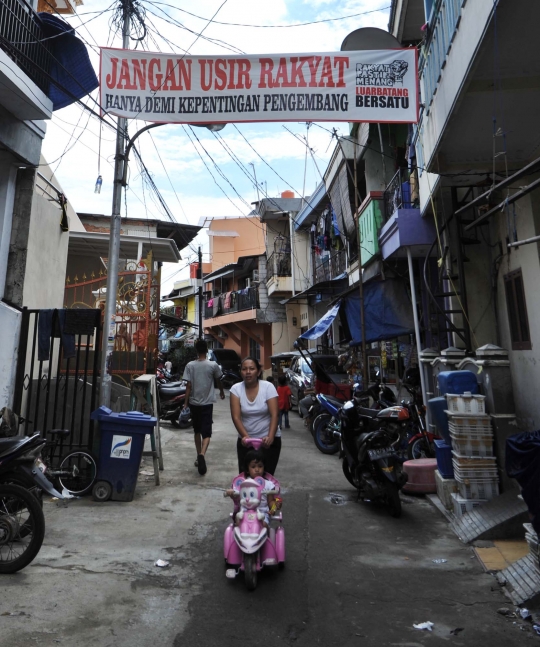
(475, 467)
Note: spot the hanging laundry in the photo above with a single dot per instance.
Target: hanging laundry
(210, 303)
(335, 224)
(227, 302)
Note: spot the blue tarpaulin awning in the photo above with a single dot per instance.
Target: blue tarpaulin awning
(71, 69)
(387, 312)
(323, 324)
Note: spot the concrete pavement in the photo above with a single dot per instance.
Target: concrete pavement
(354, 575)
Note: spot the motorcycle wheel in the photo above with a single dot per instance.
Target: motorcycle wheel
(420, 448)
(325, 441)
(393, 499)
(347, 472)
(250, 571)
(19, 510)
(27, 484)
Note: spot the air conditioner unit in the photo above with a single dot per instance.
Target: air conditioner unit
(248, 283)
(255, 276)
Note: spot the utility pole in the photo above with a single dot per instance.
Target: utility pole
(200, 277)
(109, 325)
(365, 370)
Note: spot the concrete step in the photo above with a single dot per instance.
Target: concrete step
(521, 580)
(500, 518)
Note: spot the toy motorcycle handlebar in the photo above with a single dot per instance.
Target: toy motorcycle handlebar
(256, 443)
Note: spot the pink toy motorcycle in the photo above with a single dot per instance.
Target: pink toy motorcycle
(249, 545)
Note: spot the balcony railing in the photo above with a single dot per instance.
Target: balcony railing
(397, 195)
(22, 38)
(443, 25)
(278, 264)
(237, 301)
(330, 267)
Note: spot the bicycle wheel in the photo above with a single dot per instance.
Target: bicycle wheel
(19, 510)
(77, 473)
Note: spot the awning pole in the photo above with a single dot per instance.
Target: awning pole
(417, 333)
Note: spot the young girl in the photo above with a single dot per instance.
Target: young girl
(254, 467)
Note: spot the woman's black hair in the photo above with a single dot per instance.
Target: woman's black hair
(252, 455)
(256, 362)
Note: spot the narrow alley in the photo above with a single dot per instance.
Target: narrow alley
(354, 575)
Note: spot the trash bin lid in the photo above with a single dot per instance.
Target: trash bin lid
(135, 418)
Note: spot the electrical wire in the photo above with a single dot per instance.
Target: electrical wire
(300, 24)
(172, 21)
(210, 172)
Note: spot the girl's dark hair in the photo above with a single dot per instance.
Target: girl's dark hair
(252, 455)
(282, 380)
(256, 362)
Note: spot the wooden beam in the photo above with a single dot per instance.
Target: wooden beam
(209, 331)
(229, 332)
(249, 333)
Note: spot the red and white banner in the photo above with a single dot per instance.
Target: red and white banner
(376, 86)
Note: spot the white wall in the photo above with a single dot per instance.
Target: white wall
(474, 20)
(10, 325)
(45, 275)
(525, 364)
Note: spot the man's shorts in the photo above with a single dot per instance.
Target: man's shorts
(202, 419)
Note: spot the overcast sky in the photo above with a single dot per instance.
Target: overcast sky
(72, 142)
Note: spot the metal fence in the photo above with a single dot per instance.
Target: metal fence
(59, 392)
(396, 195)
(22, 38)
(331, 266)
(236, 301)
(278, 264)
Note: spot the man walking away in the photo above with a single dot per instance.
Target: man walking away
(200, 375)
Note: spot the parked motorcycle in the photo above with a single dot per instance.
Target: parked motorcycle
(171, 401)
(21, 464)
(22, 528)
(421, 442)
(326, 423)
(329, 422)
(22, 524)
(229, 377)
(370, 450)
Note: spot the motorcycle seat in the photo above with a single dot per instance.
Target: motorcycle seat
(59, 432)
(172, 392)
(335, 401)
(370, 413)
(8, 444)
(171, 385)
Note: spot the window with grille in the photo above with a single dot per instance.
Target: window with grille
(517, 311)
(254, 349)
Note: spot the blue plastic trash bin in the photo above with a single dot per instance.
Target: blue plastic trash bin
(120, 452)
(437, 411)
(457, 382)
(443, 453)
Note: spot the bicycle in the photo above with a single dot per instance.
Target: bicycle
(76, 471)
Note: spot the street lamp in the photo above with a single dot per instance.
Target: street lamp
(120, 180)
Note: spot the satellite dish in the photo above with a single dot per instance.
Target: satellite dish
(369, 38)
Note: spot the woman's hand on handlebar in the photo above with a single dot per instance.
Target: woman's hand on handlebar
(267, 441)
(245, 440)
